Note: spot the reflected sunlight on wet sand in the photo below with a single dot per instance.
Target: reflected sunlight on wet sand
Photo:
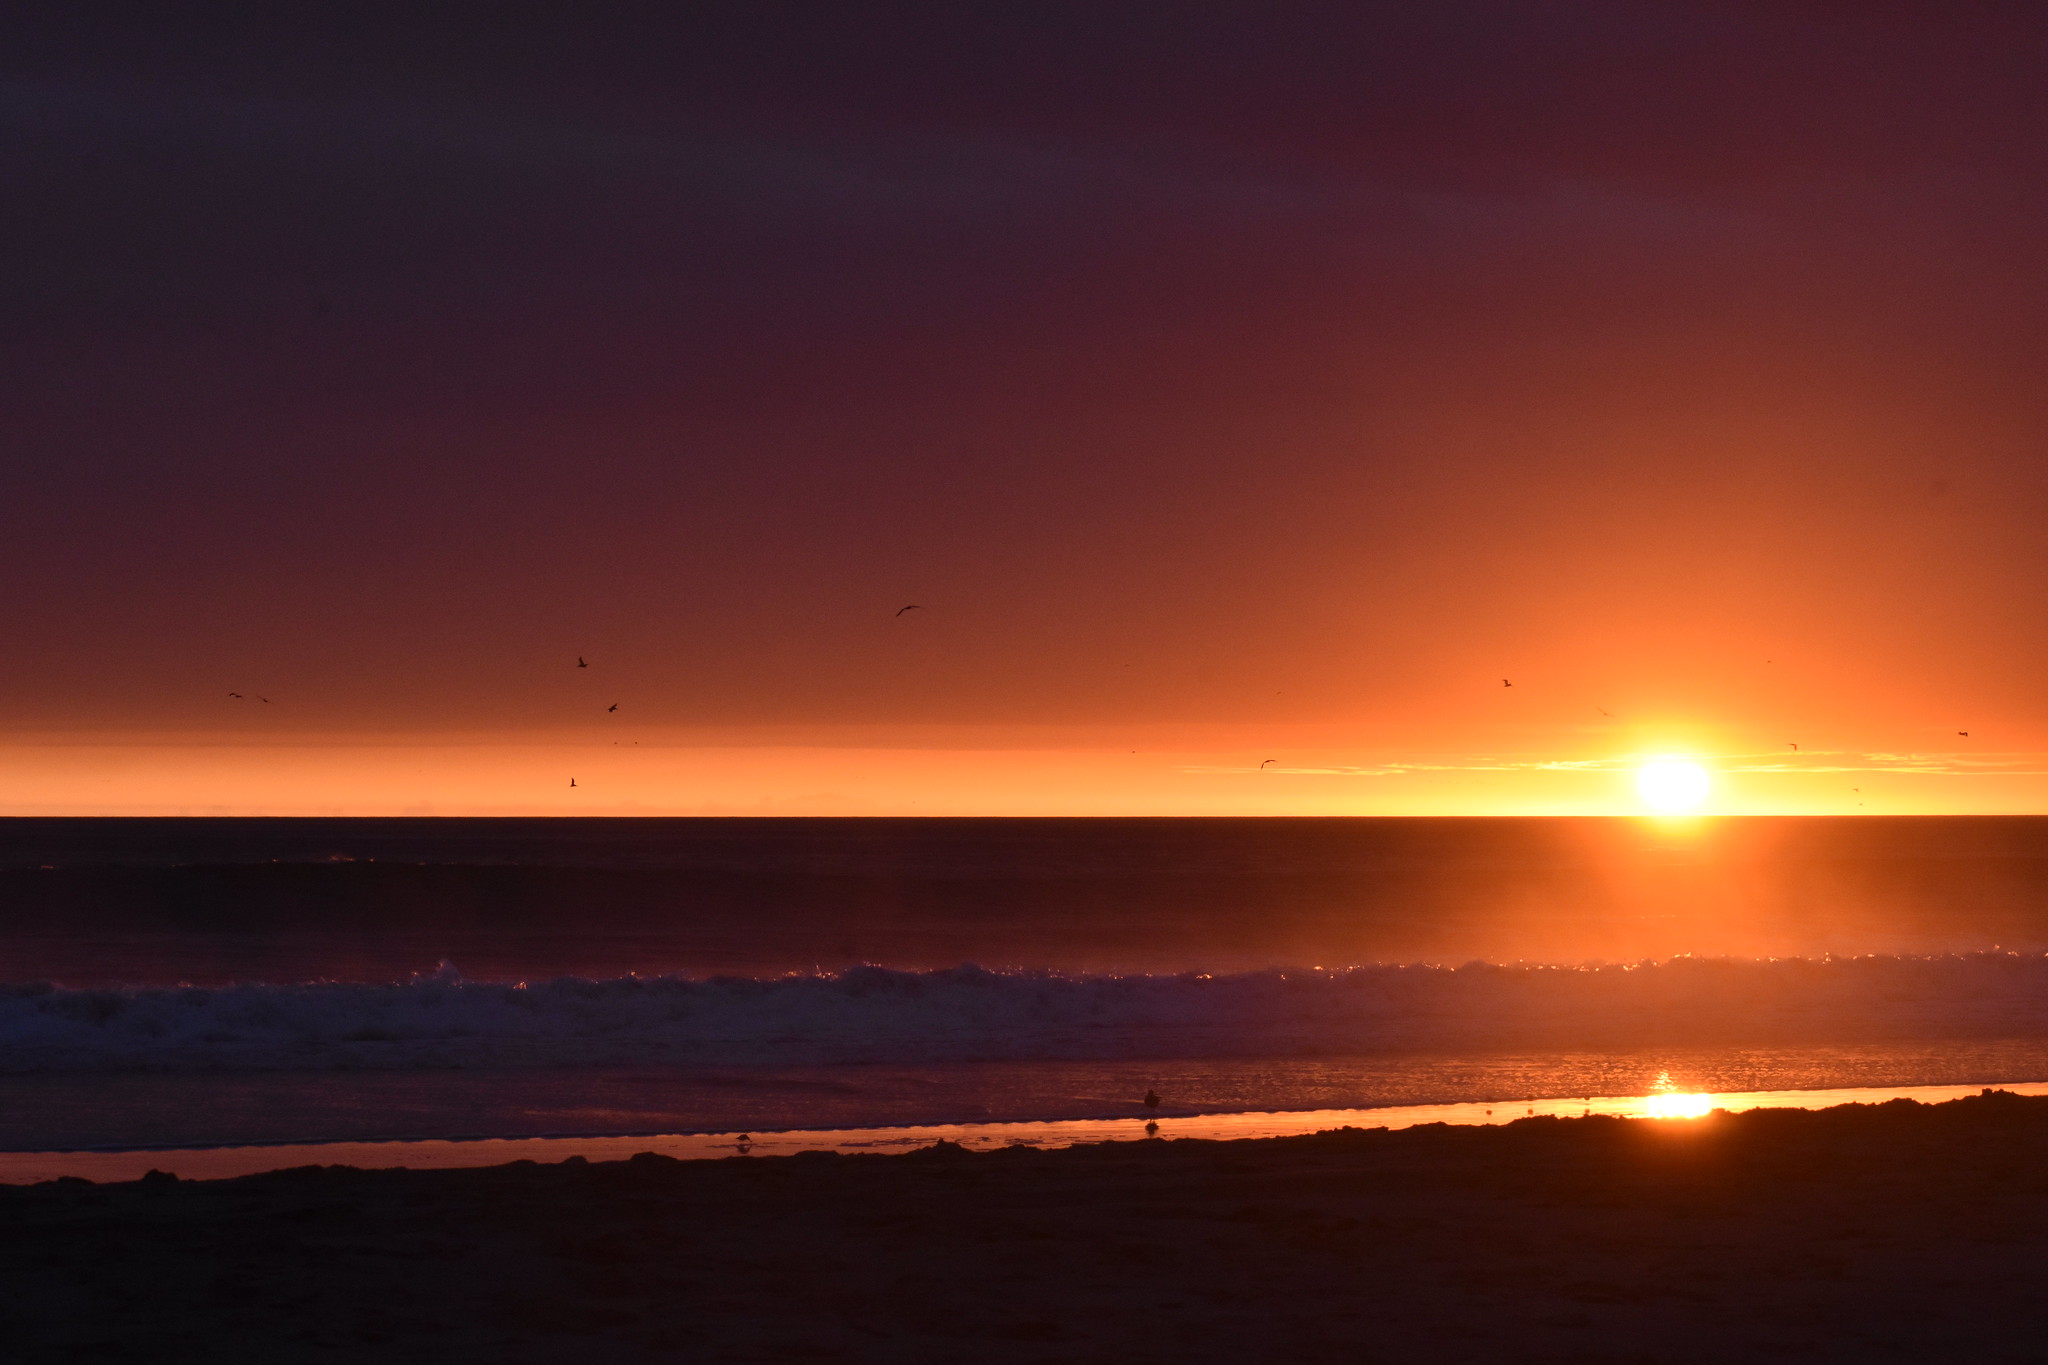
(217, 1163)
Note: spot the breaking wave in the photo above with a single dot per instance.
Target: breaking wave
(873, 1014)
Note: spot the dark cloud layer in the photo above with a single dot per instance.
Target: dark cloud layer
(1174, 355)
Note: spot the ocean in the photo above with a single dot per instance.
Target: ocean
(204, 981)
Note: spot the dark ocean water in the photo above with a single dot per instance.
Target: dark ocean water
(212, 900)
(211, 980)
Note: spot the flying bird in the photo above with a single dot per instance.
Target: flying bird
(572, 781)
(236, 695)
(1964, 733)
(912, 607)
(1270, 760)
(1795, 747)
(1604, 711)
(580, 663)
(1505, 683)
(613, 707)
(264, 700)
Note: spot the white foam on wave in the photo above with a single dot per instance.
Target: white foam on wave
(873, 1014)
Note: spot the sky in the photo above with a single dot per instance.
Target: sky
(1223, 383)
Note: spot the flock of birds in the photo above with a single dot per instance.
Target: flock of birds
(581, 662)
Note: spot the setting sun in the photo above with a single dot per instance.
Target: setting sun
(1672, 785)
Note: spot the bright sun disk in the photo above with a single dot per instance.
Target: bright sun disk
(1672, 785)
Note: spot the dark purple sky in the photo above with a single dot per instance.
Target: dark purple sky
(1187, 363)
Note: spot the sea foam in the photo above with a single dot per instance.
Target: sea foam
(874, 1014)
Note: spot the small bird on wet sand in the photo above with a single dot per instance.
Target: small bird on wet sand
(912, 607)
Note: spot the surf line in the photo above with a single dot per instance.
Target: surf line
(220, 1163)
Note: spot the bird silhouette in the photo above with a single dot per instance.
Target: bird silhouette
(613, 707)
(572, 781)
(1604, 711)
(912, 607)
(236, 695)
(1151, 1100)
(580, 663)
(1795, 747)
(1270, 760)
(1964, 733)
(264, 700)
(1505, 683)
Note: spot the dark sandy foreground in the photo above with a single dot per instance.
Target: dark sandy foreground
(1893, 1233)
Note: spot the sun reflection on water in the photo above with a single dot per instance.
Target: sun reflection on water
(1667, 1101)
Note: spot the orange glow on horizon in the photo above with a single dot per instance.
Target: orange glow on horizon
(1137, 771)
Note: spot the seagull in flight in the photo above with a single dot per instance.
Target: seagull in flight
(580, 663)
(613, 707)
(1270, 760)
(1795, 747)
(1505, 683)
(1604, 711)
(237, 696)
(572, 781)
(912, 607)
(1964, 733)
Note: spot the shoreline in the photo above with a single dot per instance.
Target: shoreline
(229, 1161)
(1895, 1232)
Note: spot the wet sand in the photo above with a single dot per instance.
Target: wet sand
(67, 1110)
(1869, 1233)
(224, 1163)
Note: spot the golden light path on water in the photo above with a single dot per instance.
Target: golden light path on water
(217, 1163)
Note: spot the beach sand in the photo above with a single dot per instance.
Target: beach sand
(1899, 1232)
